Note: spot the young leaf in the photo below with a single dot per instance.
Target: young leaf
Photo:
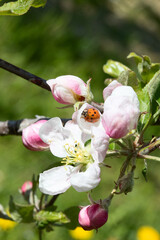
(44, 218)
(114, 68)
(137, 58)
(153, 90)
(21, 213)
(145, 68)
(20, 7)
(128, 78)
(39, 3)
(145, 108)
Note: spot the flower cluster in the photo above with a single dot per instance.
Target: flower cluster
(83, 141)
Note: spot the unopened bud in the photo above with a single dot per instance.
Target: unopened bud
(121, 111)
(31, 138)
(92, 217)
(68, 89)
(126, 183)
(26, 187)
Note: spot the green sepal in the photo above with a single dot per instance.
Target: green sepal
(114, 68)
(21, 213)
(144, 173)
(112, 146)
(45, 218)
(34, 184)
(88, 142)
(20, 7)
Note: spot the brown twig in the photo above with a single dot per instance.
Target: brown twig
(15, 127)
(35, 79)
(24, 74)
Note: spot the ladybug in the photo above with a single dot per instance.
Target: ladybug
(91, 115)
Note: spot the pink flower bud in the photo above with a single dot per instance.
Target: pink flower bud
(31, 138)
(68, 89)
(109, 89)
(26, 187)
(121, 112)
(92, 217)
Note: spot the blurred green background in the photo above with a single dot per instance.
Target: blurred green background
(75, 37)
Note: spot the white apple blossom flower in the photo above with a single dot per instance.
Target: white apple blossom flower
(81, 163)
(84, 124)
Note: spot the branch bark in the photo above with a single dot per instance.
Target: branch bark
(24, 74)
(15, 127)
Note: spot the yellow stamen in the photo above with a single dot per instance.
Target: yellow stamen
(77, 154)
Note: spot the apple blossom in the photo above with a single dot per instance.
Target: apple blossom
(27, 186)
(121, 112)
(109, 89)
(68, 89)
(92, 217)
(82, 122)
(81, 162)
(31, 138)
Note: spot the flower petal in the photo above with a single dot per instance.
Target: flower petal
(56, 180)
(68, 89)
(99, 143)
(84, 125)
(85, 181)
(51, 129)
(109, 89)
(121, 112)
(76, 132)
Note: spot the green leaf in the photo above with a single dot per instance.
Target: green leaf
(153, 90)
(137, 58)
(145, 107)
(44, 218)
(21, 213)
(128, 78)
(145, 68)
(20, 7)
(39, 3)
(114, 68)
(153, 87)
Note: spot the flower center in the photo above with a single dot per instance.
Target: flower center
(77, 155)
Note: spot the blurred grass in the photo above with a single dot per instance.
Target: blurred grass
(74, 37)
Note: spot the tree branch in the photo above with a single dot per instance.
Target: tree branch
(24, 74)
(15, 127)
(35, 79)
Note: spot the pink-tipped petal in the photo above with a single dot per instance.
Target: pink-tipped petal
(121, 112)
(31, 138)
(109, 89)
(68, 89)
(92, 217)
